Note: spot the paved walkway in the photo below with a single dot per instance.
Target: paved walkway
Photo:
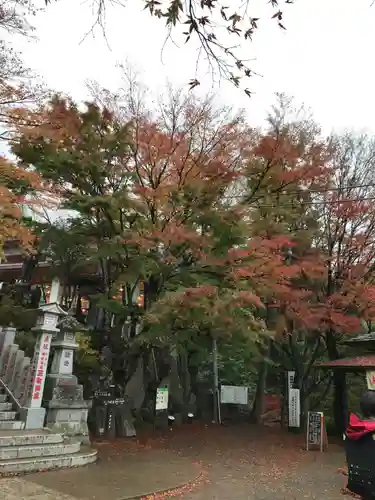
(218, 463)
(19, 489)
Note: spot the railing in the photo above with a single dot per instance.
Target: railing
(10, 394)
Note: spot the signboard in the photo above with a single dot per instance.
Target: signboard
(232, 394)
(38, 370)
(161, 398)
(370, 378)
(315, 430)
(294, 408)
(290, 376)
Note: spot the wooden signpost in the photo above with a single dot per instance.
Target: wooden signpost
(316, 434)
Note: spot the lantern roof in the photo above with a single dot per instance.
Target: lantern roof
(52, 308)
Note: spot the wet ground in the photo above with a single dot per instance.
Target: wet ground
(224, 463)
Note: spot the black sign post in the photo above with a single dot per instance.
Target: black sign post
(315, 435)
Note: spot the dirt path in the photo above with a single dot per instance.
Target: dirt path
(233, 463)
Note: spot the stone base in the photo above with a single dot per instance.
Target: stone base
(66, 384)
(69, 418)
(33, 418)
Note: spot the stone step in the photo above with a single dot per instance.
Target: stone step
(6, 406)
(84, 457)
(11, 425)
(3, 397)
(8, 415)
(39, 450)
(29, 437)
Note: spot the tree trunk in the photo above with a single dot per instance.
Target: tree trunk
(258, 407)
(340, 401)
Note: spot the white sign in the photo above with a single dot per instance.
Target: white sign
(232, 394)
(161, 398)
(370, 377)
(294, 408)
(38, 370)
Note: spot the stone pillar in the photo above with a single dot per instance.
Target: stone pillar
(54, 296)
(67, 411)
(8, 371)
(32, 412)
(15, 374)
(8, 334)
(21, 383)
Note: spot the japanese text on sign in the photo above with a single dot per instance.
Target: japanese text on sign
(294, 408)
(38, 370)
(161, 398)
(315, 429)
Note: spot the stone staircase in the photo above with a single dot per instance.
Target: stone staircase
(33, 450)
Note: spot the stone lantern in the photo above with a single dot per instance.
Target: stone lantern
(32, 412)
(67, 411)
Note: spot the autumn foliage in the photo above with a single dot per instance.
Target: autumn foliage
(213, 216)
(14, 183)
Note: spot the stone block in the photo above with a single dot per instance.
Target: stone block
(30, 438)
(19, 465)
(38, 450)
(6, 406)
(7, 415)
(33, 418)
(11, 425)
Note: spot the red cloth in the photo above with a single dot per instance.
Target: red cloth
(358, 428)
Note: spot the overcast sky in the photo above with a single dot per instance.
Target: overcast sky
(325, 58)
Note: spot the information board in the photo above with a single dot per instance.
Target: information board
(315, 430)
(161, 398)
(232, 394)
(294, 407)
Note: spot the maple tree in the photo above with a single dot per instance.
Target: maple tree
(330, 225)
(16, 90)
(154, 192)
(346, 235)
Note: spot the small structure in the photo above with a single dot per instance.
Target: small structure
(67, 411)
(32, 412)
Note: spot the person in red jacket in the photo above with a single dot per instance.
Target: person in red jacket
(358, 427)
(360, 449)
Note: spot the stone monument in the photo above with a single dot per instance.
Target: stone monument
(32, 412)
(67, 411)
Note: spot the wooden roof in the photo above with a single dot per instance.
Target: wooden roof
(355, 363)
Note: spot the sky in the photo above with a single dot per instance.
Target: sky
(323, 59)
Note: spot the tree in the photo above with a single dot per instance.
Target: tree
(154, 191)
(330, 223)
(15, 90)
(212, 24)
(15, 182)
(346, 236)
